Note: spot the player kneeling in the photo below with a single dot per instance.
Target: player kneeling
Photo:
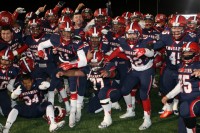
(33, 106)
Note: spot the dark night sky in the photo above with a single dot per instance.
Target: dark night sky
(118, 6)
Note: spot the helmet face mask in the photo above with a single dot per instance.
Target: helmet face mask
(133, 37)
(96, 62)
(188, 57)
(95, 42)
(190, 52)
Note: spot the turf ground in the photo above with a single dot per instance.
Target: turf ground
(89, 122)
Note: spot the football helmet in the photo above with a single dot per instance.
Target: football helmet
(35, 27)
(127, 16)
(6, 58)
(51, 16)
(96, 62)
(28, 17)
(87, 14)
(60, 113)
(94, 37)
(5, 18)
(64, 19)
(26, 65)
(160, 21)
(192, 23)
(178, 24)
(133, 33)
(118, 25)
(190, 52)
(66, 30)
(100, 17)
(136, 16)
(67, 12)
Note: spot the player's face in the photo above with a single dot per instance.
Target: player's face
(4, 64)
(177, 31)
(95, 42)
(27, 83)
(66, 35)
(6, 35)
(78, 19)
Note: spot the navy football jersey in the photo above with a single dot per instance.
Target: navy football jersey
(7, 75)
(33, 96)
(173, 48)
(33, 49)
(129, 50)
(95, 77)
(67, 52)
(190, 84)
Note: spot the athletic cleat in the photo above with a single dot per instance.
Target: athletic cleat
(146, 124)
(55, 126)
(128, 114)
(166, 114)
(105, 123)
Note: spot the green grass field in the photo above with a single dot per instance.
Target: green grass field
(89, 122)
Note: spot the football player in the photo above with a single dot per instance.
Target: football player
(33, 105)
(187, 87)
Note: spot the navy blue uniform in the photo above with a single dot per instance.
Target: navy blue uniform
(33, 105)
(142, 70)
(101, 85)
(43, 67)
(172, 58)
(5, 77)
(122, 65)
(189, 96)
(66, 52)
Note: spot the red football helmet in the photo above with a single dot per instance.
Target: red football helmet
(100, 17)
(87, 14)
(136, 16)
(118, 25)
(26, 65)
(60, 113)
(5, 18)
(67, 12)
(178, 24)
(64, 19)
(28, 16)
(190, 52)
(66, 31)
(51, 16)
(160, 21)
(127, 16)
(133, 33)
(6, 58)
(192, 23)
(97, 60)
(35, 27)
(158, 60)
(94, 36)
